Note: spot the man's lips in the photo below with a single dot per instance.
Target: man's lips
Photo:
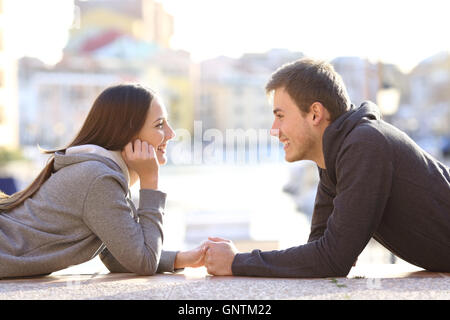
(286, 143)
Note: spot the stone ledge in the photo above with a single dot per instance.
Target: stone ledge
(363, 282)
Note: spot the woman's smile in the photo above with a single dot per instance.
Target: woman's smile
(162, 148)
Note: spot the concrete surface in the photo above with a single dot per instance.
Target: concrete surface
(391, 282)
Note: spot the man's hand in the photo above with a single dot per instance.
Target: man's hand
(219, 256)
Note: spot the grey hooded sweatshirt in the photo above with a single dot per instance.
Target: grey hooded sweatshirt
(81, 210)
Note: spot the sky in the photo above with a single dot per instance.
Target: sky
(37, 28)
(402, 32)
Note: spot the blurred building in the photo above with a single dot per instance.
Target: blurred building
(144, 20)
(232, 101)
(232, 91)
(424, 113)
(361, 78)
(430, 93)
(9, 114)
(178, 86)
(135, 34)
(55, 100)
(232, 94)
(112, 42)
(379, 82)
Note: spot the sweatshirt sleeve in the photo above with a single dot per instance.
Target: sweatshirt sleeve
(364, 174)
(166, 262)
(136, 245)
(323, 207)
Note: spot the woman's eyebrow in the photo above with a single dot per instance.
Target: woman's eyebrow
(159, 119)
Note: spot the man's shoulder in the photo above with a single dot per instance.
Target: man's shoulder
(370, 139)
(367, 132)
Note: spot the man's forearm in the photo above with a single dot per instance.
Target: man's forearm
(297, 262)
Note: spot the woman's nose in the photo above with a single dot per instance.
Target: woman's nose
(170, 134)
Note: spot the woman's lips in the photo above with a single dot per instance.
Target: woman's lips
(162, 148)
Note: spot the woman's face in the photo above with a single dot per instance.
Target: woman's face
(156, 130)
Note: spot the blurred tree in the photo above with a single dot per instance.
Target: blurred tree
(8, 155)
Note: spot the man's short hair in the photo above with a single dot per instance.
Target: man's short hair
(308, 81)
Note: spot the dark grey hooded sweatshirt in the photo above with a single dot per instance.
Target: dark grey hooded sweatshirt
(377, 183)
(81, 210)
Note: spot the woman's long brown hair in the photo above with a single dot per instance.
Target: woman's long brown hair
(115, 118)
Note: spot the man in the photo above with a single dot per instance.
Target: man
(374, 182)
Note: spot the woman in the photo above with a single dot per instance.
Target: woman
(79, 204)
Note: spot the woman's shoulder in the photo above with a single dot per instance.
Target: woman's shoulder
(91, 168)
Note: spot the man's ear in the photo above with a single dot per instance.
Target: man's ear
(319, 113)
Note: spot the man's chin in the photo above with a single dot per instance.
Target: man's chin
(292, 158)
(289, 159)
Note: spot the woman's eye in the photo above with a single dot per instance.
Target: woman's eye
(160, 125)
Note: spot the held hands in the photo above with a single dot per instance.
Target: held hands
(190, 259)
(219, 256)
(216, 255)
(140, 157)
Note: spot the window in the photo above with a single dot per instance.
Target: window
(2, 79)
(2, 115)
(239, 109)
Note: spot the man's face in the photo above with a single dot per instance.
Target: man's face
(292, 128)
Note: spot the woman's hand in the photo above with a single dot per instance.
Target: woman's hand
(141, 158)
(190, 259)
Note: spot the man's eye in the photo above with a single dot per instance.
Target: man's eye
(279, 116)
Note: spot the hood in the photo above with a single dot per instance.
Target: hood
(91, 152)
(335, 133)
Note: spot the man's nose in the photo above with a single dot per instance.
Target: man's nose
(275, 131)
